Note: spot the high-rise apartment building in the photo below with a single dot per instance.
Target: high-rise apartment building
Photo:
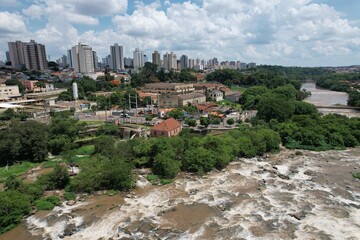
(170, 61)
(31, 55)
(83, 59)
(117, 57)
(138, 59)
(8, 56)
(16, 53)
(96, 60)
(35, 56)
(64, 61)
(156, 59)
(184, 62)
(69, 58)
(129, 62)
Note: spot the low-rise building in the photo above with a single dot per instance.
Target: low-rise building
(169, 88)
(207, 87)
(167, 128)
(168, 100)
(8, 92)
(216, 95)
(30, 85)
(193, 98)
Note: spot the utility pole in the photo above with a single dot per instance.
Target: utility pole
(136, 103)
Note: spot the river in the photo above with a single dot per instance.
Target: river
(290, 195)
(324, 97)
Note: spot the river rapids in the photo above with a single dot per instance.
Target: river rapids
(290, 195)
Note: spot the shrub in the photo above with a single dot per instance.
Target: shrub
(47, 203)
(13, 206)
(69, 196)
(230, 121)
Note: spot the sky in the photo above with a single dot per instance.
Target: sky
(276, 32)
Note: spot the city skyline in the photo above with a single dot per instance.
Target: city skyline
(296, 33)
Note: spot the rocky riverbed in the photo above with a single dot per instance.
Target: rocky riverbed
(290, 195)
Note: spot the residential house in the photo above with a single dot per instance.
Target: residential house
(8, 92)
(167, 128)
(192, 98)
(232, 96)
(216, 95)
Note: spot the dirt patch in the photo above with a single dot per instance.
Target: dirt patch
(188, 217)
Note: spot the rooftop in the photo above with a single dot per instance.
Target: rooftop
(191, 96)
(167, 125)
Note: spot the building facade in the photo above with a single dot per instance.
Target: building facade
(7, 92)
(170, 61)
(184, 62)
(83, 59)
(117, 57)
(169, 88)
(35, 56)
(156, 59)
(138, 61)
(168, 128)
(191, 98)
(16, 54)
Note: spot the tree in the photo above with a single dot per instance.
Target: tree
(40, 84)
(53, 66)
(166, 165)
(105, 145)
(274, 107)
(304, 108)
(13, 206)
(205, 121)
(230, 121)
(57, 179)
(13, 82)
(191, 122)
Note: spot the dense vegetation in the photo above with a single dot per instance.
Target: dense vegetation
(269, 76)
(32, 140)
(316, 132)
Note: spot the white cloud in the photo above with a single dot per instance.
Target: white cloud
(265, 31)
(34, 11)
(11, 23)
(97, 7)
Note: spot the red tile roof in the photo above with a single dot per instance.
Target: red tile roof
(167, 125)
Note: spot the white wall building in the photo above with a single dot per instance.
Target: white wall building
(83, 59)
(170, 61)
(138, 59)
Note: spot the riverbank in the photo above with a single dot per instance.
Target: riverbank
(293, 194)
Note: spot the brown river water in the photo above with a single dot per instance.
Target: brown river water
(311, 195)
(324, 97)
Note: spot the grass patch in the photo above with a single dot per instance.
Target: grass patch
(47, 203)
(84, 150)
(112, 192)
(51, 163)
(356, 175)
(16, 169)
(69, 196)
(165, 181)
(239, 89)
(230, 104)
(152, 177)
(156, 180)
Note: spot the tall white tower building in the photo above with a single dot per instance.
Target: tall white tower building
(170, 61)
(82, 59)
(138, 59)
(117, 57)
